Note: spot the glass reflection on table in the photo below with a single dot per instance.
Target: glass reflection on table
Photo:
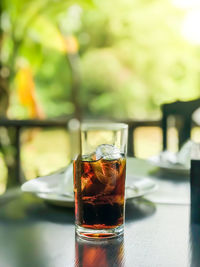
(99, 253)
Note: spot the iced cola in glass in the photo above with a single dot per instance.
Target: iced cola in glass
(99, 186)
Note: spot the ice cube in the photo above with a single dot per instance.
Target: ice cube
(108, 152)
(106, 173)
(89, 157)
(89, 184)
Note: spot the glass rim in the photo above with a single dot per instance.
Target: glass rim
(106, 125)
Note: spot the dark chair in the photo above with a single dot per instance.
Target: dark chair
(182, 112)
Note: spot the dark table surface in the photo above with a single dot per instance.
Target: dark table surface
(36, 234)
(33, 233)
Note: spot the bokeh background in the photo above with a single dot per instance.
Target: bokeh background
(113, 59)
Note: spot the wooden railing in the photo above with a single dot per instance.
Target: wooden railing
(18, 126)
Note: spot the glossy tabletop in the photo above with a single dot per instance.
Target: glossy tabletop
(36, 234)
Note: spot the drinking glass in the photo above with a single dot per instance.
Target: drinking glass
(99, 180)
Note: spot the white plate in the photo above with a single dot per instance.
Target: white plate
(68, 201)
(51, 187)
(170, 168)
(57, 200)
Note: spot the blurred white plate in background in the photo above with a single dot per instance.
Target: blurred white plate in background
(171, 168)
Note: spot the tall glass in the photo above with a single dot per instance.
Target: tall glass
(99, 180)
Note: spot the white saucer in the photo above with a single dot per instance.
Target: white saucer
(57, 188)
(170, 168)
(68, 201)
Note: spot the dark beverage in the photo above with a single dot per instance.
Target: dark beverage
(195, 191)
(99, 193)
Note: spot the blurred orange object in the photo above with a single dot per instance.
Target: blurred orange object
(72, 45)
(26, 93)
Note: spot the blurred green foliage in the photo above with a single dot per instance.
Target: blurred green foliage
(132, 55)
